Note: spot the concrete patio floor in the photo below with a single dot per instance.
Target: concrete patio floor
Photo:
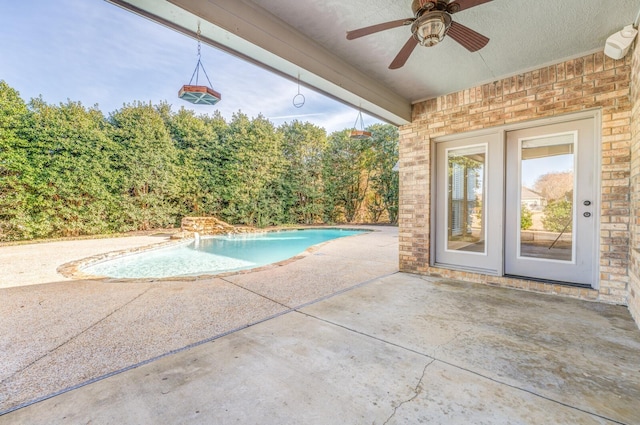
(338, 336)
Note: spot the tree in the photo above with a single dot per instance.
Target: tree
(558, 216)
(384, 181)
(198, 144)
(73, 187)
(556, 185)
(526, 218)
(251, 166)
(303, 146)
(66, 170)
(147, 167)
(16, 173)
(346, 175)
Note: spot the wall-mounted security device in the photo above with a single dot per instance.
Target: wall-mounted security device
(618, 44)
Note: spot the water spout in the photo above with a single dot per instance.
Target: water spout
(196, 236)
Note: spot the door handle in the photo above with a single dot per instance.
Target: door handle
(587, 214)
(586, 203)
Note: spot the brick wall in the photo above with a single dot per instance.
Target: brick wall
(634, 269)
(592, 81)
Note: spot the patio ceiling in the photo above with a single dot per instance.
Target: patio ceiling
(307, 38)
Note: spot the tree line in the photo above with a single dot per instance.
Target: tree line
(68, 170)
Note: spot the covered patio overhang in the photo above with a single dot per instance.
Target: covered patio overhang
(246, 31)
(305, 40)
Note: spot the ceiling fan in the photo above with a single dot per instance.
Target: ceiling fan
(431, 22)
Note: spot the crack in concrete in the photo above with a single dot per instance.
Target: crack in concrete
(437, 350)
(67, 341)
(459, 367)
(417, 390)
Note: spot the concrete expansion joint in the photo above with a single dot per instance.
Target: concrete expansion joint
(297, 308)
(342, 291)
(533, 393)
(73, 337)
(416, 392)
(434, 359)
(366, 335)
(258, 294)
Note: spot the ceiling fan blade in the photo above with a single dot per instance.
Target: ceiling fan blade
(361, 32)
(403, 55)
(468, 38)
(459, 5)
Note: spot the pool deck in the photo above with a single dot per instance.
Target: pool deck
(337, 336)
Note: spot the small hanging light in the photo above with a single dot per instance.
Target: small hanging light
(197, 94)
(359, 133)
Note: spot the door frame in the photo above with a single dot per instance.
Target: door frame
(501, 132)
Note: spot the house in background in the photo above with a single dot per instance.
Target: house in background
(541, 88)
(531, 199)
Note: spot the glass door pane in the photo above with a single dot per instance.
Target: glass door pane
(465, 207)
(547, 176)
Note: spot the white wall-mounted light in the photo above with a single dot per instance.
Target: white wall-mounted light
(618, 44)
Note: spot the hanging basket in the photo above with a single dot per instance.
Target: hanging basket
(200, 95)
(359, 133)
(195, 93)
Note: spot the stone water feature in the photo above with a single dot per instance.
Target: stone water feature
(191, 226)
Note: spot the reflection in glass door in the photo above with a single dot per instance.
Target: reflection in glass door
(465, 211)
(546, 197)
(550, 225)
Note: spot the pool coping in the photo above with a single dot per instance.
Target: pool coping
(73, 269)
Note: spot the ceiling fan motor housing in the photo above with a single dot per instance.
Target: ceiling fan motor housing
(430, 28)
(420, 7)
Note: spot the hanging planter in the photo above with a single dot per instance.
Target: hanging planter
(198, 94)
(360, 133)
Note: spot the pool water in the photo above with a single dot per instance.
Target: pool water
(217, 254)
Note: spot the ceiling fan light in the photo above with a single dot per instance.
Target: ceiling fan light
(431, 28)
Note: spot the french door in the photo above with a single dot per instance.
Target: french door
(520, 203)
(551, 215)
(468, 202)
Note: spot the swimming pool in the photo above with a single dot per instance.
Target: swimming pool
(216, 254)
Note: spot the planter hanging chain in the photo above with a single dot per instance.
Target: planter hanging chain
(199, 65)
(360, 121)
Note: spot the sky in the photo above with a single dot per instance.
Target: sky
(96, 53)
